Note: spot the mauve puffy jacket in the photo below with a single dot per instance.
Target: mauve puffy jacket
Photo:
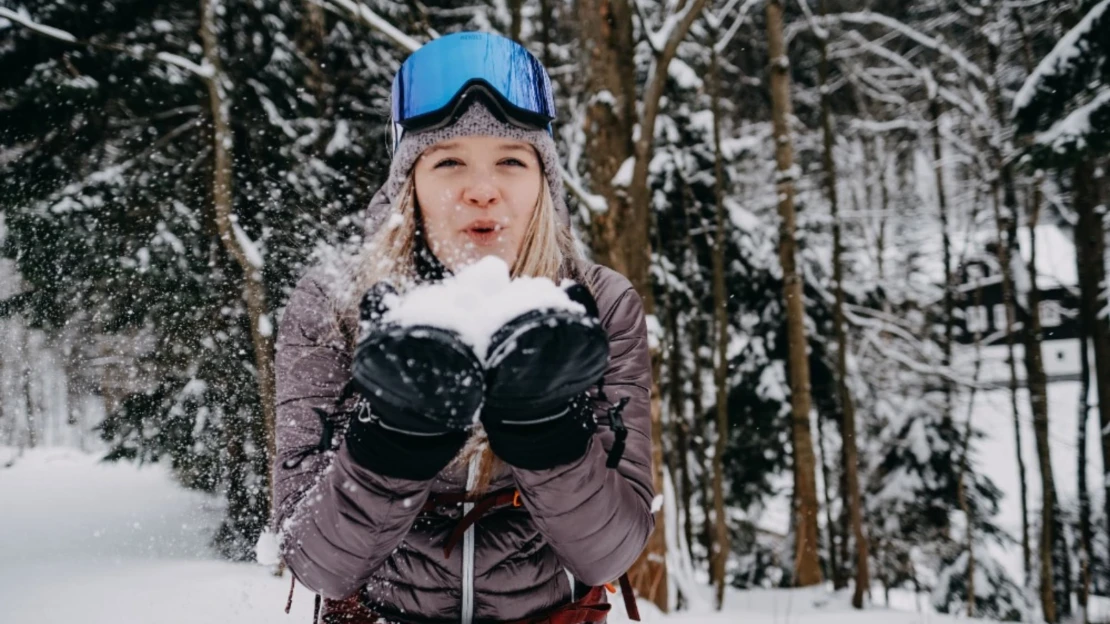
(344, 528)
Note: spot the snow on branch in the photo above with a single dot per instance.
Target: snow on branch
(23, 19)
(742, 13)
(250, 249)
(716, 19)
(367, 16)
(819, 31)
(901, 62)
(596, 203)
(203, 70)
(1059, 61)
(877, 19)
(1075, 132)
(674, 27)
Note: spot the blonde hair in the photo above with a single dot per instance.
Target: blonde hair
(547, 250)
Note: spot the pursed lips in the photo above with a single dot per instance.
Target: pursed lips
(484, 231)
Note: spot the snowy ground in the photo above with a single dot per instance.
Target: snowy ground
(119, 544)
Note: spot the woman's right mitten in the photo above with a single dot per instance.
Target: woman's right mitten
(422, 386)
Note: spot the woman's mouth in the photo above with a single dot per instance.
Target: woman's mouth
(484, 233)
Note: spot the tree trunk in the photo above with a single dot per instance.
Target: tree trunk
(311, 41)
(1090, 253)
(620, 235)
(235, 244)
(515, 7)
(961, 480)
(807, 568)
(1037, 385)
(698, 433)
(1085, 530)
(721, 546)
(606, 27)
(1007, 241)
(547, 24)
(635, 222)
(849, 453)
(30, 415)
(838, 579)
(681, 425)
(942, 205)
(702, 446)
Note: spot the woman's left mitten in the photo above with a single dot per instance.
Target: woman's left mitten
(538, 368)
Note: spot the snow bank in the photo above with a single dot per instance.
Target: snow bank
(477, 301)
(57, 571)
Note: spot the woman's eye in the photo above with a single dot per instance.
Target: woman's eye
(447, 162)
(513, 162)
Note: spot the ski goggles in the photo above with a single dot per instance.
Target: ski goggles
(435, 82)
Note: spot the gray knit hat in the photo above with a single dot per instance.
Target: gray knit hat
(477, 120)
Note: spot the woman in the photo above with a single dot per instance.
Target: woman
(398, 508)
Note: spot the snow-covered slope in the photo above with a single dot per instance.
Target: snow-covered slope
(94, 543)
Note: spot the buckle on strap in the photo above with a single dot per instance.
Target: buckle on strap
(616, 423)
(502, 497)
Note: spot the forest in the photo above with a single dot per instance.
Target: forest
(869, 235)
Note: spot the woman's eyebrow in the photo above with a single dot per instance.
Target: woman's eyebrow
(440, 146)
(516, 147)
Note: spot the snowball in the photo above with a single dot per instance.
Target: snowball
(478, 301)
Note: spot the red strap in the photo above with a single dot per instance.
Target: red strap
(629, 598)
(349, 610)
(589, 608)
(289, 601)
(500, 497)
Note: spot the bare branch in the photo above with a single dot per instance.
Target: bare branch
(934, 43)
(25, 20)
(368, 17)
(736, 23)
(200, 71)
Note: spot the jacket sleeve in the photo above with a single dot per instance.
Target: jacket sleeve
(336, 521)
(595, 518)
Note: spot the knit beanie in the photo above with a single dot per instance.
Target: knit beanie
(476, 120)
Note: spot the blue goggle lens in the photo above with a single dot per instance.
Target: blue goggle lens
(431, 79)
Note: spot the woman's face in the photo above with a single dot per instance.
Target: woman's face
(476, 196)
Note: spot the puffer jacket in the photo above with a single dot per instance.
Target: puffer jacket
(346, 531)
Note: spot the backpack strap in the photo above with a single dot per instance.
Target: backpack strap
(289, 601)
(507, 496)
(629, 598)
(591, 608)
(616, 423)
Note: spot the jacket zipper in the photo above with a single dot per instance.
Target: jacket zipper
(468, 546)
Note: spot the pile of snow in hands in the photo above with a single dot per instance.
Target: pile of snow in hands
(477, 301)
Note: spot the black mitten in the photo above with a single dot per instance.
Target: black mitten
(422, 386)
(539, 366)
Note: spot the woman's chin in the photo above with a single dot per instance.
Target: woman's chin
(470, 256)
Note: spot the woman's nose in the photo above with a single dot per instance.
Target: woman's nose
(480, 192)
